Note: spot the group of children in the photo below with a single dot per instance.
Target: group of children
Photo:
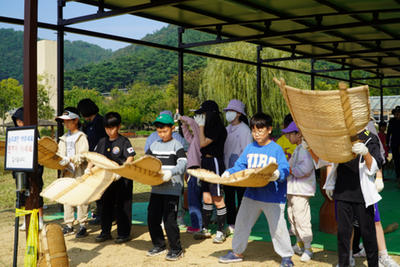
(293, 182)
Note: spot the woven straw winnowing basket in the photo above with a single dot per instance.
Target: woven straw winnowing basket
(80, 191)
(52, 249)
(47, 149)
(146, 170)
(245, 178)
(2, 148)
(329, 120)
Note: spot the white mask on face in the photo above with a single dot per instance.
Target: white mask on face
(230, 116)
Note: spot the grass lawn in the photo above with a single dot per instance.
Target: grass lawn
(141, 192)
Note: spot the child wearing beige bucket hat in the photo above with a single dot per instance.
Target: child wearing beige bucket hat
(239, 136)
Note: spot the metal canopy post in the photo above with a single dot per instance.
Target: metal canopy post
(351, 79)
(60, 66)
(180, 74)
(259, 107)
(60, 76)
(30, 94)
(381, 95)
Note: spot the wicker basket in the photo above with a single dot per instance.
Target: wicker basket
(80, 191)
(245, 178)
(329, 120)
(146, 170)
(47, 149)
(53, 251)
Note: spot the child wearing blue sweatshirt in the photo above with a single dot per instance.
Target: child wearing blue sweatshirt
(269, 199)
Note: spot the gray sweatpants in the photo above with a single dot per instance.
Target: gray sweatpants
(247, 216)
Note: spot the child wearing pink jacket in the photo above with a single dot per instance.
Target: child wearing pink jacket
(193, 159)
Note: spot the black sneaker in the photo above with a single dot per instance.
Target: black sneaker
(96, 221)
(156, 251)
(122, 239)
(68, 230)
(82, 232)
(103, 237)
(174, 255)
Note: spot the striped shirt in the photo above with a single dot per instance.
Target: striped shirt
(173, 158)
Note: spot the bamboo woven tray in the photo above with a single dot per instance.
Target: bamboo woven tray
(47, 149)
(245, 178)
(329, 120)
(2, 148)
(146, 170)
(80, 191)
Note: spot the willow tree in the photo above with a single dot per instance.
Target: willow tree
(224, 80)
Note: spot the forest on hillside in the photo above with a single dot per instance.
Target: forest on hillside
(76, 54)
(90, 66)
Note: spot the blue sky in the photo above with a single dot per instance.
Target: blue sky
(126, 25)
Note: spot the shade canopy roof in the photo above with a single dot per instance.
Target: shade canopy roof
(362, 35)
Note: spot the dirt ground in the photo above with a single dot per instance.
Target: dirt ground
(85, 252)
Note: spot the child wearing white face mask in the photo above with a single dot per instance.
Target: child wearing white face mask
(239, 136)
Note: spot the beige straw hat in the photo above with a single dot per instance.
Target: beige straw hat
(47, 149)
(80, 191)
(146, 170)
(244, 178)
(329, 120)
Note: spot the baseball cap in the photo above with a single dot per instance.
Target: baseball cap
(165, 119)
(166, 112)
(68, 115)
(291, 128)
(208, 105)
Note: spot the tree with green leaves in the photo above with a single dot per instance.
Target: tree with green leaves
(224, 80)
(10, 96)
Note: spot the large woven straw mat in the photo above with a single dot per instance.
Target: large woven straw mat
(80, 191)
(146, 170)
(329, 120)
(47, 149)
(53, 251)
(2, 148)
(245, 178)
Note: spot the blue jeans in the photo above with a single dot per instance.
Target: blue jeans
(194, 195)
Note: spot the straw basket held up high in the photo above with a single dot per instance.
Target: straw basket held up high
(329, 120)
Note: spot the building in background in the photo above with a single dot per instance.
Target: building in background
(389, 103)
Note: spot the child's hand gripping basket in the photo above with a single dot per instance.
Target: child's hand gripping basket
(246, 178)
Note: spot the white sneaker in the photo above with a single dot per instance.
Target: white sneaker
(360, 254)
(387, 262)
(23, 227)
(307, 256)
(298, 250)
(219, 238)
(229, 230)
(181, 221)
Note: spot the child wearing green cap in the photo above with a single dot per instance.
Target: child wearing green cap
(164, 198)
